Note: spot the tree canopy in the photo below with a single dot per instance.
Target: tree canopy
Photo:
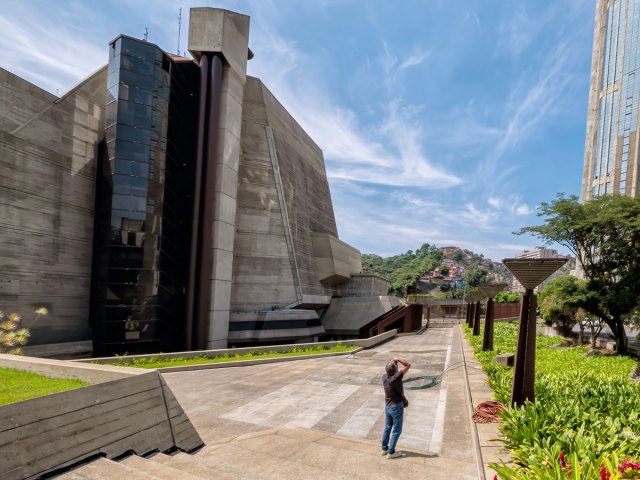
(604, 235)
(404, 269)
(507, 297)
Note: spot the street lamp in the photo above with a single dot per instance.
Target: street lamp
(530, 273)
(490, 291)
(474, 315)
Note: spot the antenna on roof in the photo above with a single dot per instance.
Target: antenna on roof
(146, 33)
(179, 27)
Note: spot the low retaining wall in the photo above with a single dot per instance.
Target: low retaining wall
(135, 412)
(364, 343)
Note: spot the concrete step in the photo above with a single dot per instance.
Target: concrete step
(191, 464)
(163, 470)
(103, 469)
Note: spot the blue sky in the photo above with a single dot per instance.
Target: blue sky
(441, 122)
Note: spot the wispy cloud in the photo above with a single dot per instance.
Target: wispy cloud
(389, 153)
(416, 58)
(32, 50)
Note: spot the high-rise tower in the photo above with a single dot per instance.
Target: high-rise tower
(611, 158)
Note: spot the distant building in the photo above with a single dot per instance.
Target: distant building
(169, 203)
(612, 157)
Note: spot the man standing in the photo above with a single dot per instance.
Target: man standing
(394, 405)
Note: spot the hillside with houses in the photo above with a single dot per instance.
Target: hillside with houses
(439, 271)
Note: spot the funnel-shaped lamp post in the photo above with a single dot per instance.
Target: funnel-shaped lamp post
(490, 291)
(469, 309)
(530, 273)
(474, 316)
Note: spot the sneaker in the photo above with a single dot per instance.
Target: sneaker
(394, 455)
(384, 452)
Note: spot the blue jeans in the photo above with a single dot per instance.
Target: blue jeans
(392, 427)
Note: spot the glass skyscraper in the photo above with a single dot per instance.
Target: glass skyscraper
(611, 151)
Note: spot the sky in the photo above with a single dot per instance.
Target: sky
(441, 122)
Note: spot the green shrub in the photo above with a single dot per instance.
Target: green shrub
(585, 407)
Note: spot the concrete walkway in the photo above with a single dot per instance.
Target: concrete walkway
(260, 414)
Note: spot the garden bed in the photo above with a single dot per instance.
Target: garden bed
(160, 362)
(586, 416)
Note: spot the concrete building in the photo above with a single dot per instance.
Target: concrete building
(171, 203)
(612, 156)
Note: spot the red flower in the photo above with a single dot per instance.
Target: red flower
(604, 474)
(622, 468)
(563, 463)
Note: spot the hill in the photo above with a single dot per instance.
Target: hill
(435, 270)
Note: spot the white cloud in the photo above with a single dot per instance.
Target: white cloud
(416, 58)
(495, 202)
(522, 210)
(389, 153)
(49, 53)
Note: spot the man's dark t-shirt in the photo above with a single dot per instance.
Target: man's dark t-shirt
(393, 388)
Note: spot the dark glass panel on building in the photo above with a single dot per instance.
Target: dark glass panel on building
(144, 200)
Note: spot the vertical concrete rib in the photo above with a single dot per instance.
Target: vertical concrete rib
(283, 209)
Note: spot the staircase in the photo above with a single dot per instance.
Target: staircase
(278, 454)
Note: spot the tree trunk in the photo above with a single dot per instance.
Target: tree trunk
(621, 338)
(594, 337)
(581, 334)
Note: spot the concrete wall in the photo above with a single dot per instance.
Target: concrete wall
(263, 266)
(345, 316)
(335, 260)
(48, 148)
(305, 190)
(283, 205)
(361, 285)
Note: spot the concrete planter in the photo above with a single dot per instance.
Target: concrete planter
(129, 409)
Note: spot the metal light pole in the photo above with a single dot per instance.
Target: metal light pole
(530, 273)
(490, 291)
(474, 314)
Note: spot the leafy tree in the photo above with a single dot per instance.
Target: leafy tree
(444, 270)
(475, 276)
(604, 235)
(560, 300)
(457, 256)
(507, 297)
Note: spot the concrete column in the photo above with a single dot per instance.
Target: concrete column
(221, 31)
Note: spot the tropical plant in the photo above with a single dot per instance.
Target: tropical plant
(585, 407)
(12, 337)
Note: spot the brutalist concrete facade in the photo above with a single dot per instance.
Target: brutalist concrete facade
(266, 259)
(48, 151)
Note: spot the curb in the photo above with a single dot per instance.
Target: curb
(245, 363)
(489, 439)
(480, 467)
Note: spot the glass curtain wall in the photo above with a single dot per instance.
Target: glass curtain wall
(139, 283)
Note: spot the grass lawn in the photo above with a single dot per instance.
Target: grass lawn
(17, 385)
(155, 362)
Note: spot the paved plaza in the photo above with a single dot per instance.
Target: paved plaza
(337, 399)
